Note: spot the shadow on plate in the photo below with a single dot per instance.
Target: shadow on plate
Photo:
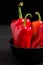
(27, 56)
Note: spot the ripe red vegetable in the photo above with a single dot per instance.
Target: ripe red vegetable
(40, 36)
(36, 31)
(21, 30)
(39, 41)
(35, 25)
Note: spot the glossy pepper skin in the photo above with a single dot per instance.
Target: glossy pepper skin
(36, 35)
(41, 36)
(39, 41)
(36, 24)
(21, 31)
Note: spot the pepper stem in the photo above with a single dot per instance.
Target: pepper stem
(28, 14)
(37, 13)
(19, 9)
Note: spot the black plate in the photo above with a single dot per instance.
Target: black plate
(24, 55)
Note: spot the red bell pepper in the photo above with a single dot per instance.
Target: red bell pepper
(21, 30)
(39, 42)
(36, 24)
(40, 36)
(36, 35)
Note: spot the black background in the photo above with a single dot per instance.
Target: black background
(9, 9)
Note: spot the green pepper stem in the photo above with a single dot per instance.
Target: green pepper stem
(37, 13)
(19, 9)
(28, 14)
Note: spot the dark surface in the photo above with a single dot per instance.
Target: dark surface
(6, 56)
(27, 56)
